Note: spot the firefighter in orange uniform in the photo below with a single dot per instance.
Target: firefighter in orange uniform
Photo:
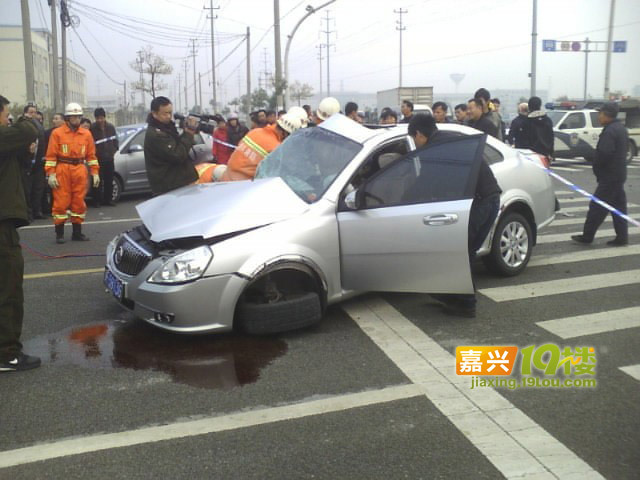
(256, 145)
(69, 148)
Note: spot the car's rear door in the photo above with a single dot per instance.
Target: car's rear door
(408, 232)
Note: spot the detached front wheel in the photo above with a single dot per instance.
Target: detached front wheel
(511, 246)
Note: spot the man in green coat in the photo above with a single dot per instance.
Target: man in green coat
(16, 141)
(166, 152)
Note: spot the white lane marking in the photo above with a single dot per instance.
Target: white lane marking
(573, 200)
(566, 237)
(633, 370)
(511, 441)
(593, 323)
(578, 161)
(583, 255)
(585, 208)
(564, 169)
(560, 193)
(190, 428)
(563, 285)
(94, 222)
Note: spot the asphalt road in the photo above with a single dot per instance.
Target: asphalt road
(371, 392)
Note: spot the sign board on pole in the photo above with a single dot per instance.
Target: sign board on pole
(620, 47)
(548, 45)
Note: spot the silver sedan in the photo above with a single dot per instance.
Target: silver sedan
(335, 210)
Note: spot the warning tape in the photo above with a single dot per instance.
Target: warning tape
(102, 140)
(583, 192)
(224, 143)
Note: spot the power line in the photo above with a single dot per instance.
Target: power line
(94, 58)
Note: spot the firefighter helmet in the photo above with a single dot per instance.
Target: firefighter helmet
(73, 109)
(328, 106)
(290, 123)
(301, 113)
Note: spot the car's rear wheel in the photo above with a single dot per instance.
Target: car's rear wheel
(511, 246)
(117, 189)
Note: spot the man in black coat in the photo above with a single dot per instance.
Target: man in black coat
(481, 120)
(539, 129)
(517, 130)
(610, 169)
(106, 140)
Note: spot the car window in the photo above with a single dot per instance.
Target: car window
(491, 155)
(574, 120)
(308, 161)
(139, 138)
(595, 121)
(379, 159)
(555, 117)
(438, 173)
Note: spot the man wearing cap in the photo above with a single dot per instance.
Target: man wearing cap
(106, 141)
(610, 169)
(69, 148)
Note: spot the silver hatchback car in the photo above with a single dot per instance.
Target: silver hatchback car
(332, 212)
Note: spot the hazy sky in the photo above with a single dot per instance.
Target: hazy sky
(489, 41)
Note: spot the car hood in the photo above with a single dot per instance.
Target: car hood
(215, 209)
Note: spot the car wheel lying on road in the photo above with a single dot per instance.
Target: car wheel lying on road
(289, 313)
(511, 246)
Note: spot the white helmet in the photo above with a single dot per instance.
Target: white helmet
(301, 113)
(290, 123)
(73, 109)
(328, 106)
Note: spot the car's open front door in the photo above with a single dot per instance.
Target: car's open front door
(408, 231)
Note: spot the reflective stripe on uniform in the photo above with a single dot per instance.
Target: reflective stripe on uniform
(79, 215)
(61, 217)
(91, 163)
(50, 164)
(254, 146)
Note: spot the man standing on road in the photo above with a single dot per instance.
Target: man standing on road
(488, 109)
(106, 141)
(15, 142)
(166, 152)
(34, 171)
(610, 169)
(407, 111)
(484, 210)
(517, 130)
(461, 114)
(480, 120)
(539, 129)
(69, 148)
(440, 112)
(235, 129)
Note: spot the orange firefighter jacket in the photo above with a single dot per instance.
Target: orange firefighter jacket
(71, 146)
(253, 147)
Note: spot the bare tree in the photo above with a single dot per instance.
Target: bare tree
(300, 91)
(148, 63)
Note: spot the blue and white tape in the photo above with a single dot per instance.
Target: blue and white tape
(591, 197)
(224, 143)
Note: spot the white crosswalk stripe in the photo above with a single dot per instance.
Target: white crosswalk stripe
(573, 200)
(561, 286)
(565, 169)
(591, 324)
(583, 255)
(564, 237)
(584, 208)
(633, 370)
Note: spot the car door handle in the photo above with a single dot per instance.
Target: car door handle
(440, 219)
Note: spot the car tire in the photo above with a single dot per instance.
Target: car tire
(117, 189)
(631, 152)
(293, 312)
(511, 246)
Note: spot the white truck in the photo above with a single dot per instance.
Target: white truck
(421, 97)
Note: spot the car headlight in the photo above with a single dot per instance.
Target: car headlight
(186, 267)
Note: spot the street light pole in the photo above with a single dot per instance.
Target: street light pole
(534, 41)
(310, 11)
(609, 48)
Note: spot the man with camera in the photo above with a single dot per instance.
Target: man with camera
(166, 151)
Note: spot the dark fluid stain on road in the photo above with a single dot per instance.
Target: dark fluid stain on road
(213, 361)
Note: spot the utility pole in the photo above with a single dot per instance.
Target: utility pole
(586, 64)
(265, 71)
(400, 28)
(64, 23)
(328, 45)
(320, 58)
(200, 90)
(212, 17)
(28, 50)
(186, 98)
(179, 93)
(124, 102)
(55, 64)
(195, 83)
(534, 41)
(141, 63)
(248, 106)
(278, 53)
(607, 72)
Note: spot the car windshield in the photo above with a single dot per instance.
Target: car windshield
(126, 131)
(555, 117)
(309, 161)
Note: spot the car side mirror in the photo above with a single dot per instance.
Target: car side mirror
(351, 200)
(136, 148)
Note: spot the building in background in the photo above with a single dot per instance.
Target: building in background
(12, 71)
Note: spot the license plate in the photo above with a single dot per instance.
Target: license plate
(113, 284)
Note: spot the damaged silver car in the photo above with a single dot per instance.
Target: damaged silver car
(332, 212)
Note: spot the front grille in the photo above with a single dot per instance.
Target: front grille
(128, 257)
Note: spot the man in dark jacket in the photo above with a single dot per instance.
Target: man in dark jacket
(517, 130)
(166, 152)
(16, 141)
(481, 120)
(610, 169)
(106, 140)
(484, 209)
(34, 170)
(235, 130)
(489, 111)
(539, 129)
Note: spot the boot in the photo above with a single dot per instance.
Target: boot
(77, 234)
(60, 233)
